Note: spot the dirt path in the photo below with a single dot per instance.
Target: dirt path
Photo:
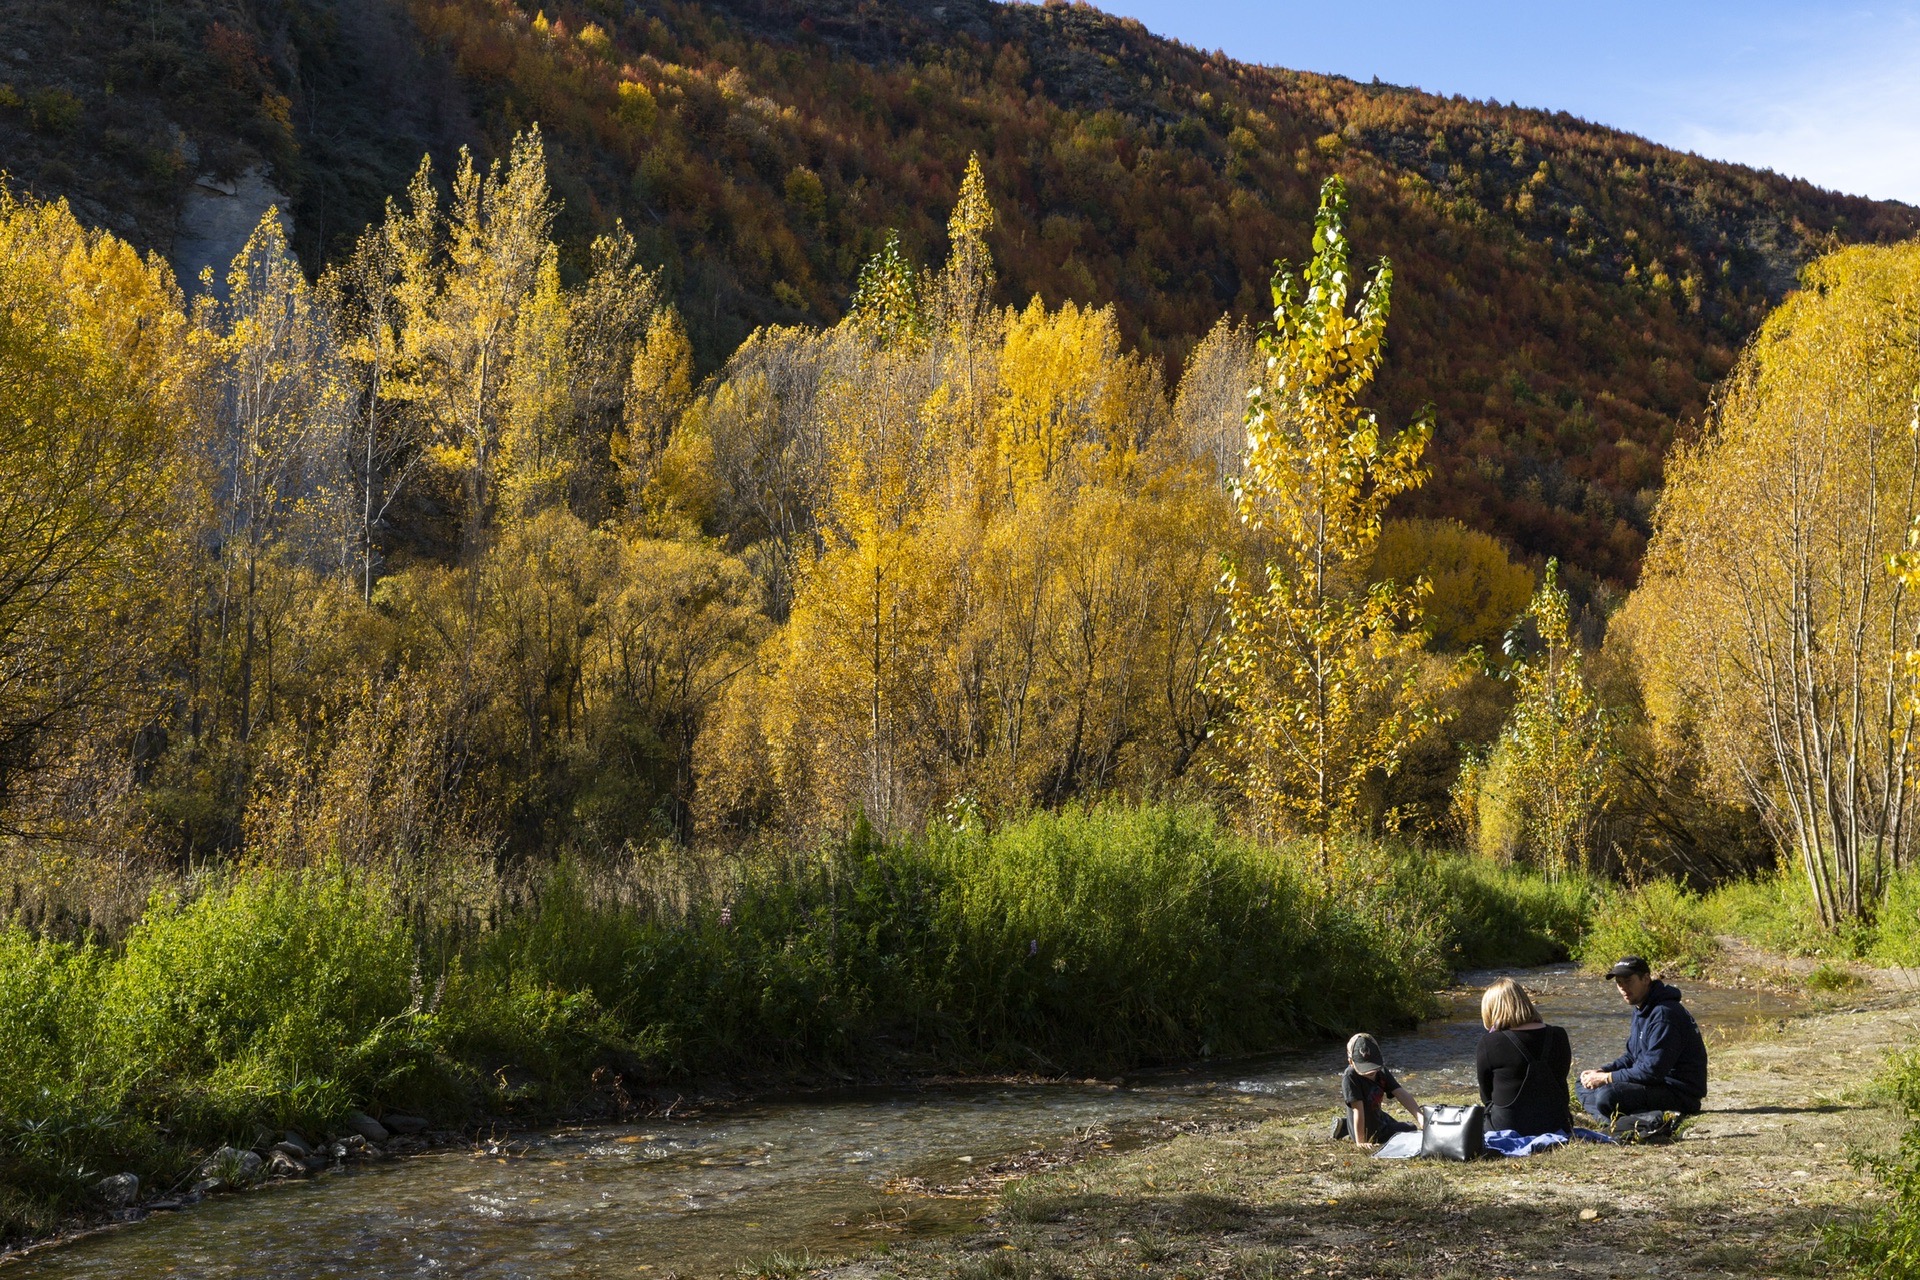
(1745, 1192)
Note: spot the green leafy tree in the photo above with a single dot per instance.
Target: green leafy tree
(886, 299)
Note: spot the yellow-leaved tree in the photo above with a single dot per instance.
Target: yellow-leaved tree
(1766, 624)
(659, 388)
(280, 423)
(1318, 666)
(483, 323)
(1539, 791)
(1003, 554)
(95, 365)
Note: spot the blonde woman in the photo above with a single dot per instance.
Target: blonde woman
(1523, 1064)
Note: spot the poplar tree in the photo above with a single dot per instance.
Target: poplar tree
(1318, 667)
(479, 290)
(385, 446)
(1766, 624)
(281, 418)
(659, 389)
(1552, 757)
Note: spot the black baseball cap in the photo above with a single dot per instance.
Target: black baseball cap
(1364, 1051)
(1627, 966)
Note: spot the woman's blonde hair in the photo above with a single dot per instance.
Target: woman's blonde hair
(1507, 1005)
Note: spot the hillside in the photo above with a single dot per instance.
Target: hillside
(1566, 294)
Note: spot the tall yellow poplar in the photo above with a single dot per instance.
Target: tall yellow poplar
(464, 295)
(1551, 761)
(280, 426)
(659, 388)
(1316, 665)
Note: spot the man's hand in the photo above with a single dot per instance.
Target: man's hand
(1594, 1079)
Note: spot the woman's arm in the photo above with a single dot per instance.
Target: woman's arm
(1483, 1068)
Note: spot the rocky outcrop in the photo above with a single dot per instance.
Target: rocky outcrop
(216, 217)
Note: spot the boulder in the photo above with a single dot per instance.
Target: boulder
(366, 1126)
(294, 1145)
(120, 1189)
(405, 1124)
(230, 1167)
(282, 1165)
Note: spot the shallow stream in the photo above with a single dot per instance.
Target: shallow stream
(824, 1175)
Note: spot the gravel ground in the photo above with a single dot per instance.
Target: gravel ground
(1746, 1190)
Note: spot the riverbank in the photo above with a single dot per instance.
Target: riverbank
(1746, 1191)
(1083, 943)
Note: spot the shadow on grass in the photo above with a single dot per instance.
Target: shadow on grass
(1419, 1226)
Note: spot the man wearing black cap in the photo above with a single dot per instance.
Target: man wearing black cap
(1665, 1065)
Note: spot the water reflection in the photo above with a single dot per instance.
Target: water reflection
(699, 1197)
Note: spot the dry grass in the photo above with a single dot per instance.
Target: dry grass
(1746, 1191)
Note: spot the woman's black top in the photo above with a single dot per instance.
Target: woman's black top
(1525, 1099)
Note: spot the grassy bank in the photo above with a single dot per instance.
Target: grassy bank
(1079, 942)
(1886, 1242)
(1680, 931)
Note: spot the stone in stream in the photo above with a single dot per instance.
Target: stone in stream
(229, 1167)
(366, 1126)
(282, 1165)
(294, 1145)
(405, 1124)
(119, 1189)
(353, 1147)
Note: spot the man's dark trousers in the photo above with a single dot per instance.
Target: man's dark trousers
(1631, 1099)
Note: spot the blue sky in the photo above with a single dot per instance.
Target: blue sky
(1824, 91)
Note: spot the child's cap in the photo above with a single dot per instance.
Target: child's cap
(1364, 1051)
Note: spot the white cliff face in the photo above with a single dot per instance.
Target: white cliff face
(215, 221)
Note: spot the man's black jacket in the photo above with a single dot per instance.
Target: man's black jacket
(1663, 1046)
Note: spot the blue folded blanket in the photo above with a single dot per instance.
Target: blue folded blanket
(1509, 1143)
(1504, 1142)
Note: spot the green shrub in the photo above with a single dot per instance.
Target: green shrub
(59, 1099)
(1496, 914)
(1886, 1242)
(54, 110)
(1661, 921)
(1776, 913)
(269, 998)
(1896, 936)
(1113, 934)
(1830, 978)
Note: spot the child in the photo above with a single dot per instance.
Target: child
(1365, 1086)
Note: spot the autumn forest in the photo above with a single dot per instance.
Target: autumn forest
(854, 544)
